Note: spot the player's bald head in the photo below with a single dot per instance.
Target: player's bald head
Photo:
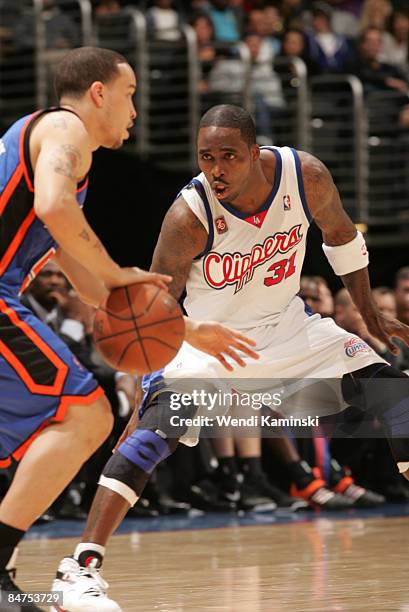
(230, 116)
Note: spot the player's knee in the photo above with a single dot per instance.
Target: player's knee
(146, 449)
(129, 469)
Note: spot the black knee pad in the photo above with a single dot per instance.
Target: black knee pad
(121, 469)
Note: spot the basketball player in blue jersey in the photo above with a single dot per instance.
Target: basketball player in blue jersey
(53, 414)
(235, 239)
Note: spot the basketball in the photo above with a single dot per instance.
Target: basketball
(139, 328)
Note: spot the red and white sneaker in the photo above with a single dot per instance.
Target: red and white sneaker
(83, 589)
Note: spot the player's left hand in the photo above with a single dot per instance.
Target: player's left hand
(219, 341)
(384, 328)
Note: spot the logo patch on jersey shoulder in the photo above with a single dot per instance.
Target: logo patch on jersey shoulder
(2, 147)
(221, 225)
(287, 202)
(355, 345)
(237, 269)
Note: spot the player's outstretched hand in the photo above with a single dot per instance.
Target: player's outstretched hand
(219, 341)
(128, 276)
(384, 328)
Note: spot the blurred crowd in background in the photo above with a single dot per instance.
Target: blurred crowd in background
(366, 38)
(235, 474)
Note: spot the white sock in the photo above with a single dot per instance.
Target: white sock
(84, 546)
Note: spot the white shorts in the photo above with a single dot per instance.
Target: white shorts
(299, 346)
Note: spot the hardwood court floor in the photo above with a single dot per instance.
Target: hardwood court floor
(328, 565)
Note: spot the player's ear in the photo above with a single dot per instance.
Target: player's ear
(97, 93)
(255, 152)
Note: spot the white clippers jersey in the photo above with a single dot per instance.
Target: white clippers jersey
(250, 269)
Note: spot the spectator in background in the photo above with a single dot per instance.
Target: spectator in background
(317, 295)
(329, 50)
(294, 44)
(257, 24)
(385, 300)
(325, 298)
(354, 7)
(345, 21)
(375, 14)
(203, 27)
(266, 91)
(163, 20)
(309, 292)
(395, 47)
(291, 11)
(375, 75)
(60, 30)
(225, 21)
(273, 21)
(106, 7)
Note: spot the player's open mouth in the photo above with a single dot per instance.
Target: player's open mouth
(220, 191)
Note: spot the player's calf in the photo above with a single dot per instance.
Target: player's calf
(121, 484)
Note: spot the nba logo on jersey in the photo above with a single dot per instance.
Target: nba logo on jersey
(221, 225)
(287, 202)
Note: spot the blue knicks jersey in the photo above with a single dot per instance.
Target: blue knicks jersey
(25, 243)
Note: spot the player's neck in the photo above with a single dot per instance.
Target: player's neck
(83, 112)
(255, 193)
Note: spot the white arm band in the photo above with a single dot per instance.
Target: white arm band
(349, 257)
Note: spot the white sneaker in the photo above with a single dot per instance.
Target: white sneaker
(83, 589)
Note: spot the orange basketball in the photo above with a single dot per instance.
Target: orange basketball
(139, 328)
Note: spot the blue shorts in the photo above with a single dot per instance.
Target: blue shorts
(39, 379)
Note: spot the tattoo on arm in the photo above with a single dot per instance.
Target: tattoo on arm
(182, 238)
(66, 160)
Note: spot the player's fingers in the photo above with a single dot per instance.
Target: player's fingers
(236, 357)
(243, 338)
(224, 362)
(156, 276)
(245, 349)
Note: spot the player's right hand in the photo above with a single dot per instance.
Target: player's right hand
(129, 276)
(220, 341)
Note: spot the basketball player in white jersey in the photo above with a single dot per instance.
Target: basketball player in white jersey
(235, 239)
